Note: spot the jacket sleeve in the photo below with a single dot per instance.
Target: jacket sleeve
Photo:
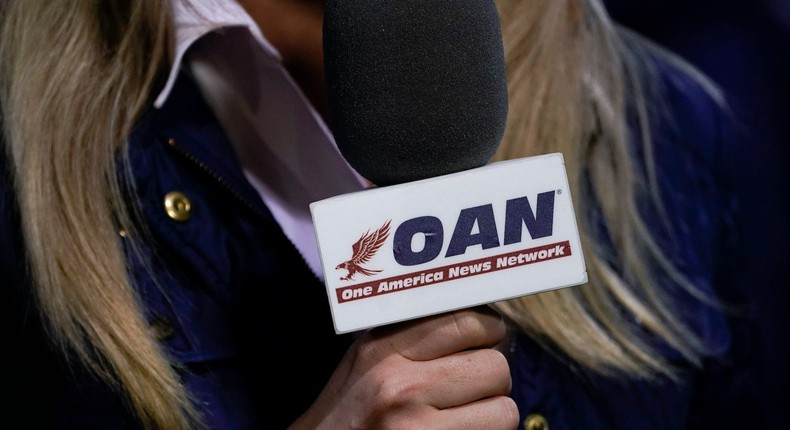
(730, 392)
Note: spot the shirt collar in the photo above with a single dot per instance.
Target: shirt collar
(196, 18)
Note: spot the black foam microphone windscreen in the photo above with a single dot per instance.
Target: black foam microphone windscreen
(416, 88)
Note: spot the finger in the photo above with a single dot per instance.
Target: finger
(466, 377)
(493, 413)
(436, 336)
(445, 382)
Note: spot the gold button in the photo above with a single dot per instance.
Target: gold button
(536, 422)
(178, 206)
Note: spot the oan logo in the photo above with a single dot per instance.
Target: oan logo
(475, 227)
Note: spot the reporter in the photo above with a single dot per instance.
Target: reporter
(157, 161)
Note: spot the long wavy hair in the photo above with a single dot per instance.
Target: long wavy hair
(76, 76)
(574, 77)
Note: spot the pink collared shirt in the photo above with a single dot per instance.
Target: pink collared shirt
(285, 147)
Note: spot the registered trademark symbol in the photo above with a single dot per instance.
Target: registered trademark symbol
(559, 191)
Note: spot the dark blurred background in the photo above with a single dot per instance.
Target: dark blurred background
(744, 46)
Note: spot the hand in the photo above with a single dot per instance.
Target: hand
(437, 372)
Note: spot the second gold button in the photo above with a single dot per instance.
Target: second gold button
(536, 422)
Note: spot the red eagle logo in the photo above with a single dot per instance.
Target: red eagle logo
(363, 250)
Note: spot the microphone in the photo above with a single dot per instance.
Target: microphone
(416, 88)
(417, 94)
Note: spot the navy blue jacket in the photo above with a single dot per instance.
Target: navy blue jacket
(232, 304)
(233, 294)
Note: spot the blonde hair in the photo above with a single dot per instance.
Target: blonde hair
(75, 77)
(573, 78)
